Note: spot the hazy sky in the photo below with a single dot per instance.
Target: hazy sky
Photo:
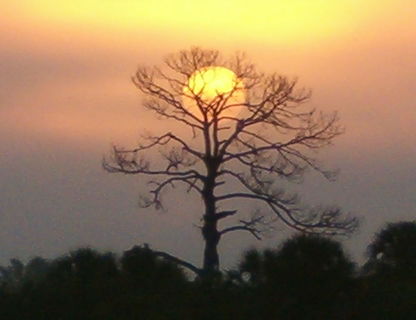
(66, 96)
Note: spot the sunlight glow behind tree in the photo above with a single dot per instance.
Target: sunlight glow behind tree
(213, 84)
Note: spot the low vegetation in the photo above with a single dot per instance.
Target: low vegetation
(306, 277)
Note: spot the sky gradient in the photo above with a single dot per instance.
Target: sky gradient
(66, 96)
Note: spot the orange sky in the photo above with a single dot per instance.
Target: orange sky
(65, 73)
(97, 45)
(271, 21)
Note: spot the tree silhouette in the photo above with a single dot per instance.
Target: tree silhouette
(246, 143)
(36, 269)
(12, 276)
(393, 249)
(388, 280)
(308, 277)
(301, 258)
(148, 268)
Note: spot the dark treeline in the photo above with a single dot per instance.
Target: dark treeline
(306, 277)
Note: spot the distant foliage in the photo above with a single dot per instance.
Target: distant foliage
(306, 278)
(394, 249)
(308, 271)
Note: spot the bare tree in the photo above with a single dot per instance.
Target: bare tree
(254, 141)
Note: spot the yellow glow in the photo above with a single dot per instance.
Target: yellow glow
(210, 83)
(277, 21)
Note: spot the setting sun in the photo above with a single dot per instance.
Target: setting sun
(217, 88)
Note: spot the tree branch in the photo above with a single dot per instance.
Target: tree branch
(224, 214)
(327, 221)
(253, 231)
(178, 261)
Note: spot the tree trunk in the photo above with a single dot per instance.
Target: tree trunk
(211, 237)
(209, 229)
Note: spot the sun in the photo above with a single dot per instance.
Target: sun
(214, 91)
